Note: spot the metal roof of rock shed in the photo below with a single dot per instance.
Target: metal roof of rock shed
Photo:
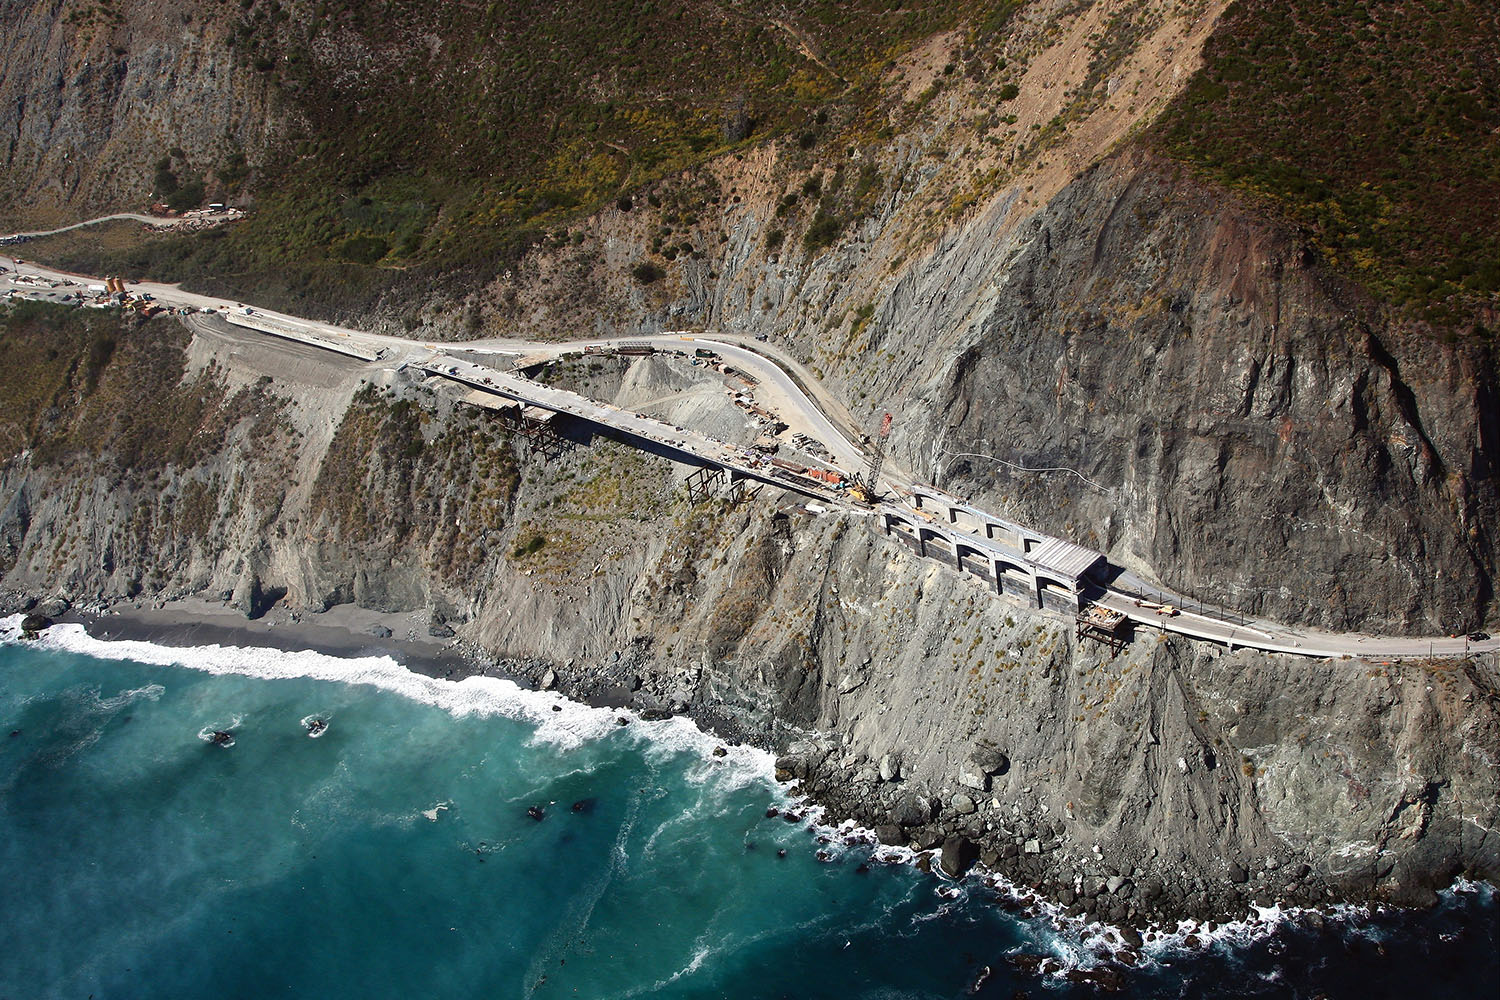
(1064, 559)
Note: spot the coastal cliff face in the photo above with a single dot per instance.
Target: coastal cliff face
(1253, 430)
(1218, 409)
(1172, 778)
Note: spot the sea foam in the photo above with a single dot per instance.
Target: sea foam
(1072, 942)
(557, 720)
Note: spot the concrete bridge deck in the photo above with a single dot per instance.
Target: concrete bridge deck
(739, 462)
(302, 334)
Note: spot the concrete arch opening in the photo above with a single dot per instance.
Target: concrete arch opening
(964, 521)
(972, 560)
(1056, 595)
(936, 545)
(898, 523)
(922, 501)
(1014, 580)
(901, 530)
(1000, 533)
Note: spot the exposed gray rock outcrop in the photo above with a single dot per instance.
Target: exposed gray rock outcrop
(1239, 421)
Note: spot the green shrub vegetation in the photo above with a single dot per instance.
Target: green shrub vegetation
(1376, 126)
(646, 272)
(473, 132)
(104, 384)
(530, 546)
(822, 232)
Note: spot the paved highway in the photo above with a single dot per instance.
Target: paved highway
(780, 391)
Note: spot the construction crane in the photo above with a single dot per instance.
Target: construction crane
(867, 490)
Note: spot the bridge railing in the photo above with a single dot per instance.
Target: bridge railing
(1182, 603)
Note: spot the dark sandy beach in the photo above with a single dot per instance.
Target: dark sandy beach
(345, 631)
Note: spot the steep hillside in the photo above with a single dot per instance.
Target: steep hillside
(432, 137)
(975, 228)
(388, 146)
(104, 104)
(413, 151)
(1237, 419)
(1375, 126)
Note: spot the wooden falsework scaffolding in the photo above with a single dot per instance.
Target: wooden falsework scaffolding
(1106, 627)
(741, 490)
(701, 486)
(538, 428)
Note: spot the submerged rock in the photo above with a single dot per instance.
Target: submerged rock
(1104, 979)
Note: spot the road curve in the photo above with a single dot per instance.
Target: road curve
(1256, 633)
(150, 220)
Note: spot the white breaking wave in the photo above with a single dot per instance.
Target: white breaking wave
(557, 720)
(740, 766)
(483, 696)
(150, 692)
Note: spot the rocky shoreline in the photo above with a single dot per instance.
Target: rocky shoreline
(1031, 854)
(1030, 862)
(1032, 859)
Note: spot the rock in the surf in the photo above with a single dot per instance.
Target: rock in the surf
(959, 855)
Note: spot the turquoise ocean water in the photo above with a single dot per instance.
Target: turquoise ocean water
(393, 856)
